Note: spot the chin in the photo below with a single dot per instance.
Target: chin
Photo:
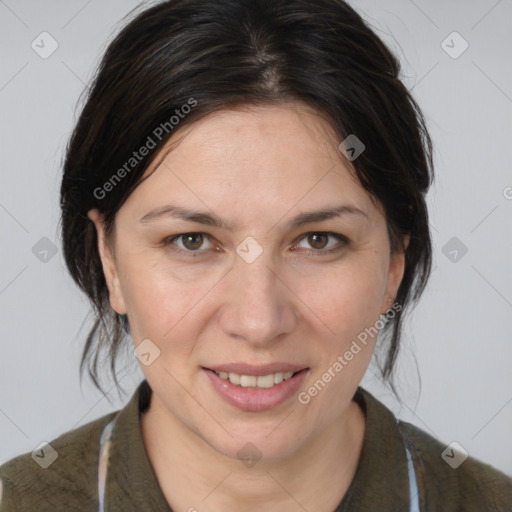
(251, 445)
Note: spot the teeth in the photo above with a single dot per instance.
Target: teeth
(234, 378)
(265, 381)
(247, 381)
(253, 381)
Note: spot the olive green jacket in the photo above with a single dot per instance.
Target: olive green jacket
(381, 482)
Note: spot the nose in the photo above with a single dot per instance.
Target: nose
(258, 304)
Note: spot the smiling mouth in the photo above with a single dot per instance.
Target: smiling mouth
(256, 381)
(256, 388)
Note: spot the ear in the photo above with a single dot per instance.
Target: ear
(395, 275)
(108, 263)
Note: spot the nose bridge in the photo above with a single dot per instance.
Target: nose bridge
(258, 281)
(259, 307)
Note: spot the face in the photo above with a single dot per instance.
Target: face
(267, 259)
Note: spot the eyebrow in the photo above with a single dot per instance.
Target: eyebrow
(210, 219)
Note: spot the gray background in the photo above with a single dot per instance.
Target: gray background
(458, 338)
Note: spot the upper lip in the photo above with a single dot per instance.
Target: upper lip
(250, 369)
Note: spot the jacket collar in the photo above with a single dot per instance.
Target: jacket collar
(381, 478)
(133, 485)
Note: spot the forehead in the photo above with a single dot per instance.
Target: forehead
(257, 157)
(290, 131)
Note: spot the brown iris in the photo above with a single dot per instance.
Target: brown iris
(318, 240)
(192, 241)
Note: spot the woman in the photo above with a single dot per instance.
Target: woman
(244, 195)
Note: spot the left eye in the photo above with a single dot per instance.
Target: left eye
(320, 241)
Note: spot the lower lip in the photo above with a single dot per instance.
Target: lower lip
(256, 399)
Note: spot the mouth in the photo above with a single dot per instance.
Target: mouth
(256, 389)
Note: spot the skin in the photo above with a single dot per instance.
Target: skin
(257, 168)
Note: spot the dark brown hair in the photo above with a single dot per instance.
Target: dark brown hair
(226, 53)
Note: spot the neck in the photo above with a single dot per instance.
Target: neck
(193, 475)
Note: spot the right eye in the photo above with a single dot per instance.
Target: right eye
(187, 243)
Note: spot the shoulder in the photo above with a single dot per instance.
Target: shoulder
(61, 475)
(475, 485)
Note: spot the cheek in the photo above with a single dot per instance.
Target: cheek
(346, 297)
(161, 304)
(164, 301)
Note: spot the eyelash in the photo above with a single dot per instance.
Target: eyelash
(168, 242)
